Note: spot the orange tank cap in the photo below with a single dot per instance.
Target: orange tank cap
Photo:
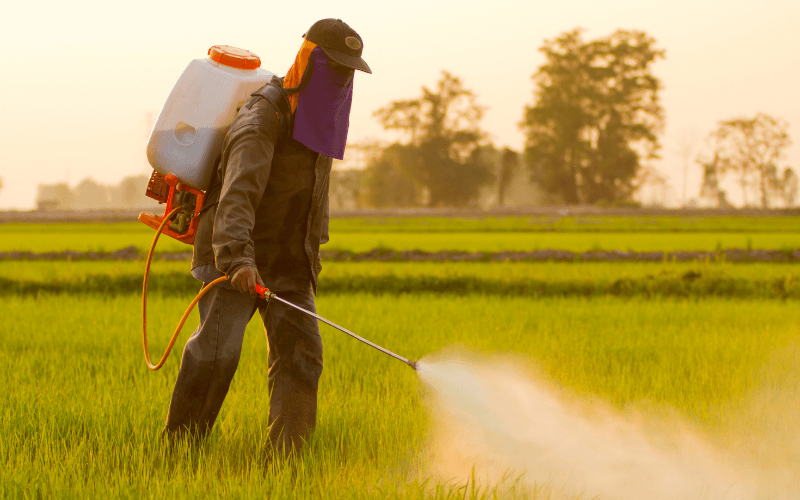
(233, 57)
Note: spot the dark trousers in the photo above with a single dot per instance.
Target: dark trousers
(212, 354)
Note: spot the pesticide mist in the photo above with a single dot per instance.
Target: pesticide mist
(499, 423)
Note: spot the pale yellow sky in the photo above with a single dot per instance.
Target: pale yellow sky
(80, 77)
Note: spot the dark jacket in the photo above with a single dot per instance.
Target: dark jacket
(272, 208)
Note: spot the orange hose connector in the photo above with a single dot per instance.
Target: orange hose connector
(144, 300)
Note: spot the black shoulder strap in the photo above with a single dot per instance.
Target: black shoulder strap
(214, 188)
(274, 93)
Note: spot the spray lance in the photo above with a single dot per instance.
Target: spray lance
(264, 292)
(183, 148)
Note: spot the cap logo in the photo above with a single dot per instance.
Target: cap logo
(353, 42)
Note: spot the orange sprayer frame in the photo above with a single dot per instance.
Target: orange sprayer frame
(154, 221)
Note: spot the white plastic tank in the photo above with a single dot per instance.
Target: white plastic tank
(187, 137)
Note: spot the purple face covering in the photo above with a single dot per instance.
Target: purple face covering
(323, 108)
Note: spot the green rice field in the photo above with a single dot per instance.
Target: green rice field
(431, 242)
(80, 414)
(84, 414)
(434, 234)
(771, 224)
(512, 279)
(76, 271)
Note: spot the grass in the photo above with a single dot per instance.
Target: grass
(531, 279)
(575, 242)
(770, 224)
(56, 241)
(433, 234)
(80, 414)
(570, 224)
(75, 271)
(83, 413)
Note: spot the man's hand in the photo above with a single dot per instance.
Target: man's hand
(245, 280)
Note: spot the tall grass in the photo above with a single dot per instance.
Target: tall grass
(80, 414)
(487, 234)
(476, 241)
(537, 279)
(70, 271)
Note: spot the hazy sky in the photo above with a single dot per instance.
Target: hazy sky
(80, 77)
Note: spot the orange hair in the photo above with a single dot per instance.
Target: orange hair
(295, 73)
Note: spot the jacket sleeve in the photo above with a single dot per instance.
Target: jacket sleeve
(326, 217)
(246, 161)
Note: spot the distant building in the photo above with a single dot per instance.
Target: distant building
(90, 195)
(54, 197)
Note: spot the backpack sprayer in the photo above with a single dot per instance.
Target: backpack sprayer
(183, 149)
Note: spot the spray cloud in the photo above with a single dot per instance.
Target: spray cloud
(495, 421)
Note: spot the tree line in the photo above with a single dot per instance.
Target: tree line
(591, 135)
(750, 150)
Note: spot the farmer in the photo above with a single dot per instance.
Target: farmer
(264, 218)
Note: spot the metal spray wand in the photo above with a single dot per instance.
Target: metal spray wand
(267, 294)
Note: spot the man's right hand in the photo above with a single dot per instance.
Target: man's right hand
(245, 280)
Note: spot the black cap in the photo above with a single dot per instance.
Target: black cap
(340, 42)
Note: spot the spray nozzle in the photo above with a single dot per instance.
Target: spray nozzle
(264, 292)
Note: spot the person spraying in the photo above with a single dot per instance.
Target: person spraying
(264, 216)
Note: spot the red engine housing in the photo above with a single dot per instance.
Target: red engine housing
(168, 189)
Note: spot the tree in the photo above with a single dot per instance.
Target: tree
(387, 185)
(132, 190)
(710, 189)
(687, 147)
(345, 189)
(442, 132)
(652, 188)
(90, 195)
(750, 148)
(789, 185)
(508, 163)
(596, 116)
